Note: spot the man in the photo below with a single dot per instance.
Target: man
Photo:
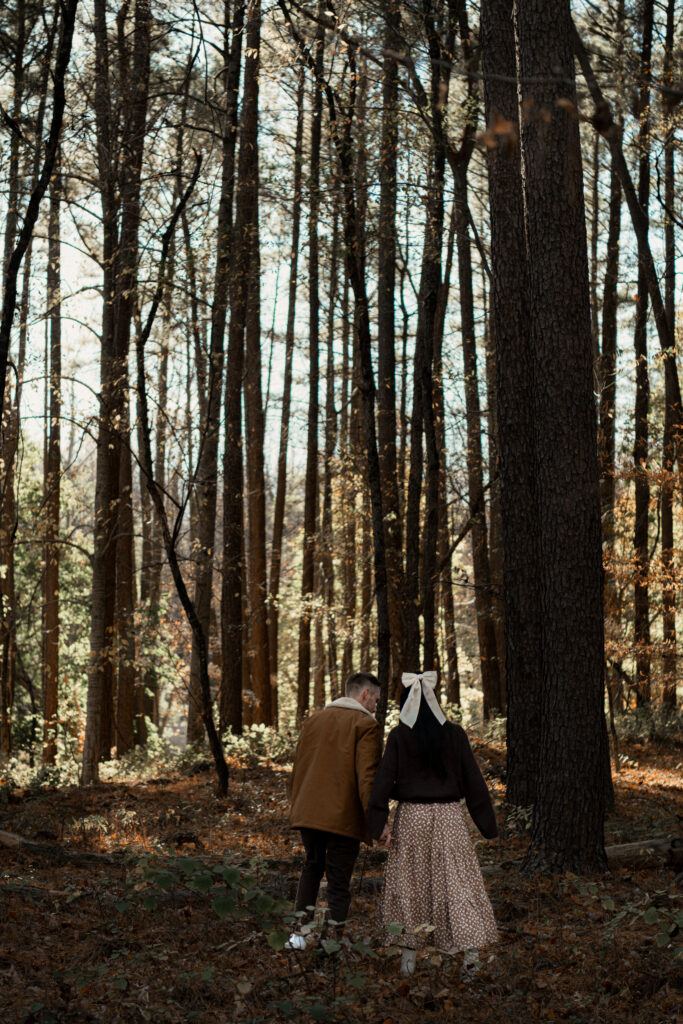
(334, 767)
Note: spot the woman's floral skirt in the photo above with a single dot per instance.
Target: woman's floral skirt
(433, 878)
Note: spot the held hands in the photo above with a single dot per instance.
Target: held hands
(385, 838)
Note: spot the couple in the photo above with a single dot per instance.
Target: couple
(340, 791)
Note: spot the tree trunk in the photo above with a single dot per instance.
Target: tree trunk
(451, 677)
(349, 432)
(207, 464)
(641, 597)
(669, 657)
(595, 221)
(567, 833)
(490, 674)
(281, 485)
(259, 659)
(608, 393)
(515, 379)
(311, 480)
(496, 555)
(365, 582)
(50, 647)
(386, 341)
(327, 527)
(100, 673)
(232, 591)
(135, 87)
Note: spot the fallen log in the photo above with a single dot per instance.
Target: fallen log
(669, 849)
(53, 851)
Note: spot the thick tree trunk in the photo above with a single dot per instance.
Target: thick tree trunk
(515, 378)
(567, 832)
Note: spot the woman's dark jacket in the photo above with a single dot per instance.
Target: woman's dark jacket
(401, 776)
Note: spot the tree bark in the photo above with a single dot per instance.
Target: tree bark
(349, 432)
(451, 675)
(490, 674)
(567, 832)
(496, 555)
(207, 459)
(515, 379)
(281, 485)
(259, 658)
(607, 407)
(641, 597)
(232, 591)
(327, 525)
(386, 341)
(311, 479)
(52, 489)
(98, 727)
(669, 656)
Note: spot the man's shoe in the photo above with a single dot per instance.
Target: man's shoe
(408, 961)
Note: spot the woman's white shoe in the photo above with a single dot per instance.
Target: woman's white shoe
(470, 965)
(408, 961)
(296, 941)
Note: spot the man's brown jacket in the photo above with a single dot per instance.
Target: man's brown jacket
(334, 766)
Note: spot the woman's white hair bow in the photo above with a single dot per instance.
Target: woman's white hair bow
(420, 683)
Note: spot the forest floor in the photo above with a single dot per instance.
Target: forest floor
(145, 935)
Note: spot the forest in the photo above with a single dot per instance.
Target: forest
(336, 336)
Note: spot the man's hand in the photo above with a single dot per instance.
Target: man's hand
(385, 838)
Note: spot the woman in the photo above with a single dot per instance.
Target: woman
(432, 875)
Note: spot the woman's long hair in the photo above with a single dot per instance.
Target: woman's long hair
(430, 736)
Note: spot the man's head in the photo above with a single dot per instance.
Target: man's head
(364, 687)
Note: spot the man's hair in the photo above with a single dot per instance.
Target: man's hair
(358, 681)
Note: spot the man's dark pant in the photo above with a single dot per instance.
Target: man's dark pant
(331, 855)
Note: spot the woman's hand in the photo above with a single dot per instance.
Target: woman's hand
(385, 838)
